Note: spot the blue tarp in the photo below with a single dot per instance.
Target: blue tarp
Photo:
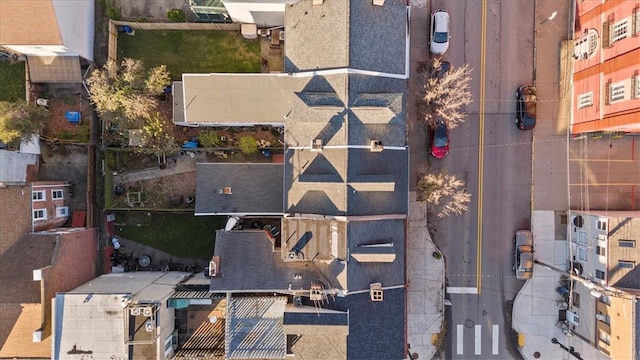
(73, 116)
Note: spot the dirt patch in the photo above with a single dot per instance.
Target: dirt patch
(59, 128)
(167, 192)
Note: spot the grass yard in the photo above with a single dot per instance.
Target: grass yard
(192, 51)
(12, 87)
(179, 234)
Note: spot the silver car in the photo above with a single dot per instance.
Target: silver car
(439, 42)
(523, 265)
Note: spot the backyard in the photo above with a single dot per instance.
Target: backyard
(12, 86)
(192, 51)
(179, 234)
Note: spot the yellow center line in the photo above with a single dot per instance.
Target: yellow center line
(481, 147)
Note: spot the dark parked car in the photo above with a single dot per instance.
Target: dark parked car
(523, 265)
(526, 107)
(439, 140)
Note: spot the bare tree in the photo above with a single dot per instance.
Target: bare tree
(19, 120)
(125, 94)
(446, 93)
(445, 192)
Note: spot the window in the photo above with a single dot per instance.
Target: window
(601, 224)
(582, 254)
(602, 237)
(599, 274)
(626, 243)
(635, 86)
(575, 318)
(635, 21)
(585, 100)
(576, 299)
(601, 251)
(604, 337)
(605, 300)
(39, 214)
(620, 30)
(62, 211)
(626, 264)
(617, 91)
(582, 237)
(57, 194)
(39, 195)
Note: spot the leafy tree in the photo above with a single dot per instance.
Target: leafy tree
(156, 135)
(210, 139)
(124, 94)
(248, 145)
(176, 15)
(19, 120)
(446, 95)
(444, 191)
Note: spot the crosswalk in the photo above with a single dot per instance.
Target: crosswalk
(493, 333)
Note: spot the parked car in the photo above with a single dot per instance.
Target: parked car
(523, 265)
(439, 32)
(439, 140)
(526, 107)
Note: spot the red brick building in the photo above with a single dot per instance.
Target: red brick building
(606, 75)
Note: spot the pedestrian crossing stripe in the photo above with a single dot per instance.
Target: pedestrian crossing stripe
(495, 339)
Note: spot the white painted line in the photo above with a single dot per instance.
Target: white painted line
(478, 339)
(460, 343)
(462, 290)
(495, 335)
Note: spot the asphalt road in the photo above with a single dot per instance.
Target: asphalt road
(494, 158)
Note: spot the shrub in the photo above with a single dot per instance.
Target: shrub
(65, 135)
(176, 15)
(111, 10)
(248, 145)
(210, 139)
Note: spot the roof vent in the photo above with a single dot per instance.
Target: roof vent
(316, 145)
(135, 311)
(226, 190)
(147, 311)
(376, 146)
(378, 2)
(375, 290)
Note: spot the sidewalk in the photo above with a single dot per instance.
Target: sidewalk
(535, 309)
(425, 309)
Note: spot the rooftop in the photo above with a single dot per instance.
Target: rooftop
(223, 188)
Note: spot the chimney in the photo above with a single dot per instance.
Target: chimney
(375, 291)
(378, 2)
(316, 145)
(376, 146)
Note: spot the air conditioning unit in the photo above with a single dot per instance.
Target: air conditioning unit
(147, 312)
(149, 325)
(135, 311)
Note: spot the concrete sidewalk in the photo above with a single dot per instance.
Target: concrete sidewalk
(426, 286)
(536, 307)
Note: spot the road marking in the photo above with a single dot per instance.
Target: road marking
(495, 337)
(459, 343)
(462, 290)
(481, 146)
(603, 160)
(603, 184)
(478, 339)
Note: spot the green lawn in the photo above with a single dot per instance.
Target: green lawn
(12, 78)
(192, 51)
(179, 234)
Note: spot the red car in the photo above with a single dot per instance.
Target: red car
(439, 140)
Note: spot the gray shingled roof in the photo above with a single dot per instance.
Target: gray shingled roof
(255, 188)
(376, 329)
(248, 263)
(355, 34)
